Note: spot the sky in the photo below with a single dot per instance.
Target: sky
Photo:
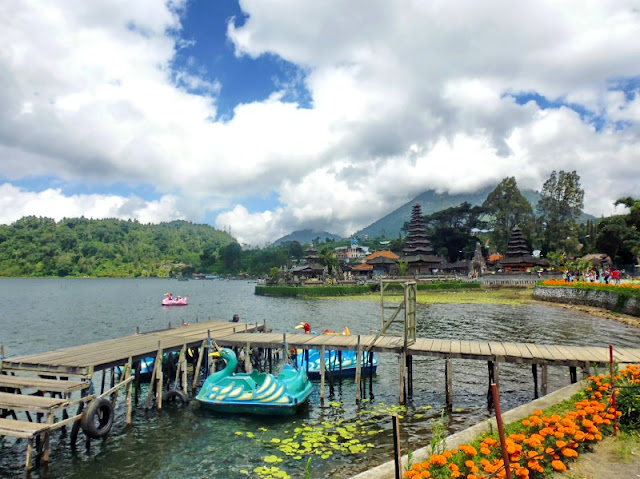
(265, 117)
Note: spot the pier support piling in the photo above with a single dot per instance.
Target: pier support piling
(534, 371)
(544, 379)
(448, 377)
(358, 370)
(322, 356)
(573, 374)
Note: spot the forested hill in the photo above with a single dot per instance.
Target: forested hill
(81, 247)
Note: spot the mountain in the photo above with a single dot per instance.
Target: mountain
(307, 236)
(430, 201)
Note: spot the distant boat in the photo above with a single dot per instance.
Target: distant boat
(178, 301)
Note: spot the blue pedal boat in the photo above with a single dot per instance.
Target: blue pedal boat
(255, 392)
(336, 363)
(341, 365)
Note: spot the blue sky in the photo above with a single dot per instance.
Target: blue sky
(267, 117)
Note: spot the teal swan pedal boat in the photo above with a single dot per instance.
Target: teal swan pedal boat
(255, 392)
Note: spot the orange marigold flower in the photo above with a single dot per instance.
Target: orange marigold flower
(558, 465)
(438, 460)
(568, 452)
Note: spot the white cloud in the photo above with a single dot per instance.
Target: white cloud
(404, 96)
(52, 203)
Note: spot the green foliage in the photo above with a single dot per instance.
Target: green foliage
(450, 230)
(438, 435)
(619, 236)
(561, 205)
(507, 208)
(81, 247)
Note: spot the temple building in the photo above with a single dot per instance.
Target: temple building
(311, 268)
(418, 252)
(478, 266)
(518, 258)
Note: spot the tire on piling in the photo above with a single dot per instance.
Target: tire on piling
(97, 418)
(177, 396)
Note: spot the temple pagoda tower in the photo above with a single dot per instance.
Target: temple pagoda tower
(518, 257)
(418, 251)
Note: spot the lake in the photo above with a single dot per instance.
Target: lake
(44, 314)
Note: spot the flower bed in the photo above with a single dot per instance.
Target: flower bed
(544, 442)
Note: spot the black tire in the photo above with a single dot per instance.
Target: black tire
(97, 418)
(175, 396)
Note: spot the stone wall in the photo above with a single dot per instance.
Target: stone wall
(619, 303)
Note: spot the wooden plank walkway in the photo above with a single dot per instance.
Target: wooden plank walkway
(85, 359)
(115, 352)
(557, 355)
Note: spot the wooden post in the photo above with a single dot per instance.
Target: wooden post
(448, 377)
(196, 371)
(410, 374)
(181, 357)
(503, 445)
(358, 370)
(152, 383)
(247, 359)
(285, 348)
(322, 356)
(401, 360)
(104, 378)
(129, 389)
(46, 441)
(573, 374)
(137, 381)
(545, 379)
(29, 455)
(184, 372)
(534, 371)
(397, 453)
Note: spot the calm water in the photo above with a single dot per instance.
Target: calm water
(44, 314)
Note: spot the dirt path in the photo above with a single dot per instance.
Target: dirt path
(612, 458)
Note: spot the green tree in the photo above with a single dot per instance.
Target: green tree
(231, 257)
(451, 230)
(507, 207)
(329, 260)
(560, 206)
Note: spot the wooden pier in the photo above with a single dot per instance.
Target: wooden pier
(39, 384)
(43, 384)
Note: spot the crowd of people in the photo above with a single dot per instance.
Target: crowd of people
(595, 276)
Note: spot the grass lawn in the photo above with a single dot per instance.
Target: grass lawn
(482, 296)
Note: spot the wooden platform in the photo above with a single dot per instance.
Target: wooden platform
(480, 350)
(83, 360)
